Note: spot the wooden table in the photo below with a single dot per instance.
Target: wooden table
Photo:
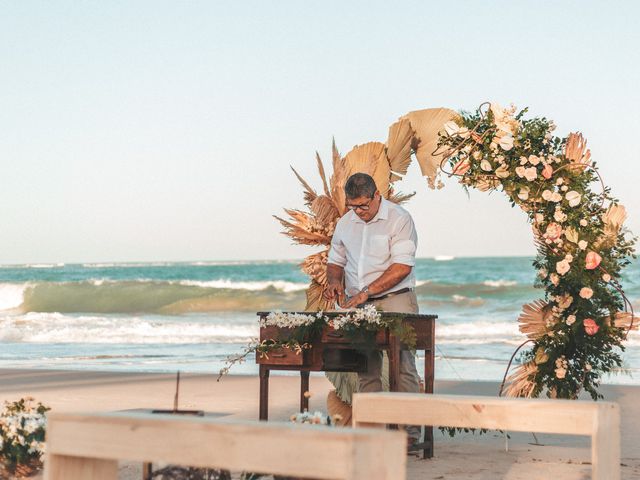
(334, 352)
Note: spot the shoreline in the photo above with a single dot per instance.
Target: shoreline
(465, 456)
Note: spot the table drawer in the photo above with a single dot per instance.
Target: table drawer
(281, 356)
(330, 335)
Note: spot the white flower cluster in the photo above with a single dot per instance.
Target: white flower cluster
(561, 367)
(17, 429)
(367, 315)
(315, 418)
(289, 320)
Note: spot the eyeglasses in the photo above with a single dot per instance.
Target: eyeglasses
(364, 206)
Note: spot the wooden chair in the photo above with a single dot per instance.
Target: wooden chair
(599, 420)
(88, 446)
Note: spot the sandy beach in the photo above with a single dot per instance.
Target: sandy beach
(466, 456)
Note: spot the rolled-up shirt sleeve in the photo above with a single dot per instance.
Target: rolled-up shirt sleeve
(404, 241)
(337, 252)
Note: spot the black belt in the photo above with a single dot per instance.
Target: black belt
(391, 294)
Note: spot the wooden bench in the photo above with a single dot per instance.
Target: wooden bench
(599, 420)
(88, 446)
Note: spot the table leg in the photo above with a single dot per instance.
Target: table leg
(429, 366)
(304, 388)
(264, 393)
(394, 363)
(147, 470)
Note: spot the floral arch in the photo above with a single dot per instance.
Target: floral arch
(575, 332)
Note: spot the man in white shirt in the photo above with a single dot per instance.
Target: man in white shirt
(373, 255)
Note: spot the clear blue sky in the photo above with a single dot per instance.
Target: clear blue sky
(156, 130)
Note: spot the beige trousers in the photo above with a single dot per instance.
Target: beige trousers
(409, 380)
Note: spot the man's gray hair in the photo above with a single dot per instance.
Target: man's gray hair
(360, 185)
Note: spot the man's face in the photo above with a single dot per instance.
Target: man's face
(365, 207)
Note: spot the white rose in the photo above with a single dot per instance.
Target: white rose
(546, 194)
(583, 223)
(523, 194)
(539, 218)
(568, 257)
(556, 197)
(586, 293)
(559, 216)
(571, 319)
(554, 279)
(486, 165)
(530, 173)
(606, 277)
(560, 181)
(533, 160)
(523, 160)
(562, 267)
(564, 188)
(520, 171)
(564, 301)
(582, 244)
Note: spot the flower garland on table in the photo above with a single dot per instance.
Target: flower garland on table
(360, 324)
(22, 431)
(578, 329)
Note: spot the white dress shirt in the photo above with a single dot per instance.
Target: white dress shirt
(366, 250)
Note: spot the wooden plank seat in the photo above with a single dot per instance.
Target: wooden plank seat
(599, 420)
(88, 446)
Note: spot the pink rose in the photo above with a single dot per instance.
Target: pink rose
(586, 293)
(553, 231)
(592, 260)
(547, 171)
(590, 326)
(461, 167)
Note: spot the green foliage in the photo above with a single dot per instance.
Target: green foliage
(539, 172)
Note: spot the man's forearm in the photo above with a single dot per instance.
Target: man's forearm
(389, 279)
(335, 274)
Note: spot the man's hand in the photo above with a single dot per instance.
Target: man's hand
(335, 289)
(356, 300)
(334, 293)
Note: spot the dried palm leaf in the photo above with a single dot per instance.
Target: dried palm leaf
(625, 320)
(533, 319)
(338, 180)
(300, 234)
(426, 125)
(316, 267)
(576, 150)
(315, 300)
(521, 382)
(309, 194)
(399, 148)
(400, 197)
(322, 175)
(325, 211)
(370, 158)
(613, 219)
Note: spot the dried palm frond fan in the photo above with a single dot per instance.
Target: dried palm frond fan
(416, 132)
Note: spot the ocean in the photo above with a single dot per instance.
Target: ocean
(164, 317)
